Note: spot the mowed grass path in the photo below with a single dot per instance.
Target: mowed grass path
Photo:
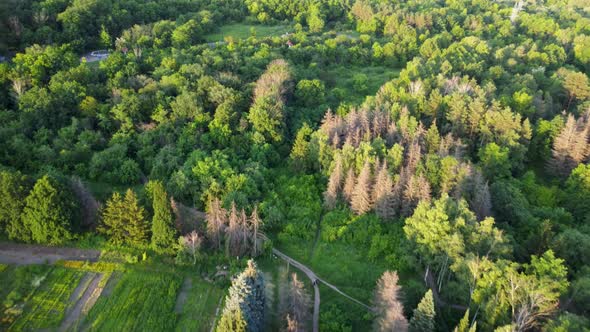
(198, 312)
(242, 31)
(140, 302)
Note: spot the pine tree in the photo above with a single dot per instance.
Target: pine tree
(349, 184)
(417, 189)
(233, 233)
(244, 232)
(423, 318)
(163, 232)
(387, 302)
(255, 225)
(231, 321)
(334, 184)
(136, 226)
(47, 213)
(570, 147)
(298, 305)
(463, 325)
(113, 220)
(361, 199)
(382, 193)
(13, 191)
(246, 295)
(123, 220)
(300, 156)
(216, 220)
(432, 138)
(481, 202)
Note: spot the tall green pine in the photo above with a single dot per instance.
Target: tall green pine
(463, 325)
(113, 219)
(136, 226)
(423, 318)
(231, 321)
(123, 220)
(12, 202)
(47, 213)
(163, 232)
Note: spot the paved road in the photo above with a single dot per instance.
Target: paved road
(314, 280)
(24, 254)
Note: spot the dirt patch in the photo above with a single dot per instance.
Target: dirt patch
(111, 283)
(25, 254)
(187, 284)
(82, 285)
(83, 293)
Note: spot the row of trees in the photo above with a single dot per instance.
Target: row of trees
(47, 213)
(239, 232)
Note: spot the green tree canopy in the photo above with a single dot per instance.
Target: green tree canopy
(48, 212)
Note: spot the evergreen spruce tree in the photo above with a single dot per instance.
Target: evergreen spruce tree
(383, 194)
(349, 183)
(463, 325)
(298, 305)
(216, 220)
(231, 321)
(361, 198)
(123, 220)
(12, 202)
(112, 222)
(423, 318)
(136, 227)
(233, 234)
(255, 225)
(47, 213)
(163, 232)
(334, 184)
(246, 295)
(388, 306)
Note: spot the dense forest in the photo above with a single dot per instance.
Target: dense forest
(431, 158)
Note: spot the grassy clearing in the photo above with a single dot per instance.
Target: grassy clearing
(346, 268)
(353, 83)
(242, 31)
(48, 303)
(198, 312)
(139, 302)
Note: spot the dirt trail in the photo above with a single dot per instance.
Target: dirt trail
(187, 284)
(74, 314)
(25, 254)
(216, 314)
